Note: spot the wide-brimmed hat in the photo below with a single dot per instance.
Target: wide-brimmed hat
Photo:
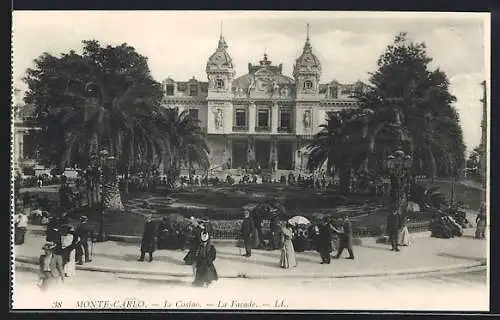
(49, 246)
(204, 236)
(84, 218)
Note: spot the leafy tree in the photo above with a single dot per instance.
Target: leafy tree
(92, 102)
(412, 109)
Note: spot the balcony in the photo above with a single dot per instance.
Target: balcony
(240, 128)
(285, 130)
(262, 129)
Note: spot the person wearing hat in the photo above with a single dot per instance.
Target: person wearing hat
(51, 268)
(85, 233)
(481, 222)
(21, 223)
(68, 244)
(345, 239)
(148, 238)
(247, 230)
(204, 268)
(275, 228)
(325, 241)
(394, 224)
(194, 234)
(207, 224)
(287, 258)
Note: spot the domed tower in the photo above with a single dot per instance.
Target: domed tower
(307, 72)
(220, 72)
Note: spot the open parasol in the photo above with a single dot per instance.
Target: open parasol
(298, 220)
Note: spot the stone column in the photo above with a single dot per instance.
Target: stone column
(251, 117)
(274, 117)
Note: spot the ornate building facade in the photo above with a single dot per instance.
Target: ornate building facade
(264, 116)
(23, 142)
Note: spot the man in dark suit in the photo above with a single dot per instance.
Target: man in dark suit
(325, 241)
(346, 239)
(394, 224)
(148, 239)
(274, 225)
(85, 232)
(247, 230)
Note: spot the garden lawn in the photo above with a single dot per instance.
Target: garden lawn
(223, 205)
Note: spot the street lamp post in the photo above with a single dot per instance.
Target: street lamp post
(399, 166)
(103, 155)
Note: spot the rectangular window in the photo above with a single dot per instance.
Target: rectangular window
(193, 114)
(193, 91)
(263, 118)
(285, 119)
(241, 118)
(170, 89)
(347, 90)
(333, 92)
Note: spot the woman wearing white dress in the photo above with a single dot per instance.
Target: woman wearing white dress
(68, 249)
(404, 235)
(287, 259)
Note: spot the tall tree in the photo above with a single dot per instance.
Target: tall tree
(89, 102)
(187, 144)
(413, 101)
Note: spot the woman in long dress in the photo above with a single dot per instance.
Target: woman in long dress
(404, 235)
(194, 232)
(204, 268)
(481, 223)
(288, 259)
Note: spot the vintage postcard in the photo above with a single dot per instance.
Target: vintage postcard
(250, 160)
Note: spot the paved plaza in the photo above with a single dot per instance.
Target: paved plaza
(423, 254)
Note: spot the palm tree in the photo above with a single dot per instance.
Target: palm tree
(341, 144)
(186, 144)
(115, 125)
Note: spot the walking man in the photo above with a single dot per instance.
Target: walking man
(148, 238)
(325, 241)
(85, 233)
(247, 230)
(346, 239)
(394, 224)
(275, 228)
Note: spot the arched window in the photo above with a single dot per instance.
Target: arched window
(219, 84)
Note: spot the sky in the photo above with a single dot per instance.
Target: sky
(348, 44)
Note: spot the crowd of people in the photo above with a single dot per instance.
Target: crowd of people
(66, 246)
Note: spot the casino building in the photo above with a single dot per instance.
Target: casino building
(263, 116)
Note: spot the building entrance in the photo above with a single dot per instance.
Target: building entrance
(263, 153)
(239, 154)
(285, 156)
